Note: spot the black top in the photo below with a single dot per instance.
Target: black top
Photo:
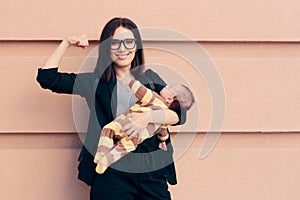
(101, 98)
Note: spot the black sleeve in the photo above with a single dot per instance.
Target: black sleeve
(182, 117)
(156, 83)
(66, 83)
(55, 81)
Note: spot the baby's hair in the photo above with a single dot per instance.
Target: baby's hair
(189, 99)
(184, 99)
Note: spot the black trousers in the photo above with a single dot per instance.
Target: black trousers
(139, 175)
(118, 185)
(136, 176)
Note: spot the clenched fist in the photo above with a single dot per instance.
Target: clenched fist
(80, 41)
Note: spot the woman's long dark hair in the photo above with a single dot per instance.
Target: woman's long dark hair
(105, 64)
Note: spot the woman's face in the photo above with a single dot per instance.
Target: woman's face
(122, 56)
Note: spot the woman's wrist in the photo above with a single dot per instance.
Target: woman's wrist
(167, 116)
(66, 43)
(157, 116)
(148, 117)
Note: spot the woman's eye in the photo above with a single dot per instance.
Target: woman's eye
(129, 42)
(115, 42)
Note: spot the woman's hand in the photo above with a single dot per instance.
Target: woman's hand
(79, 41)
(138, 121)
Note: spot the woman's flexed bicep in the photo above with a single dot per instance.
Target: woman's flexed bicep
(55, 81)
(67, 83)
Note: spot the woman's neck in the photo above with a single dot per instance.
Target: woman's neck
(121, 71)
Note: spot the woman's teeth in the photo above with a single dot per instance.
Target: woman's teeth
(122, 56)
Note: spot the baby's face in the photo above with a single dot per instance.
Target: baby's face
(167, 94)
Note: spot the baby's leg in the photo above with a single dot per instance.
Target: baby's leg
(120, 149)
(106, 141)
(163, 135)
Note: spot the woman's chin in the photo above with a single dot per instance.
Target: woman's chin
(123, 64)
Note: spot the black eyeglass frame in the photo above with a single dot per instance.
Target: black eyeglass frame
(123, 42)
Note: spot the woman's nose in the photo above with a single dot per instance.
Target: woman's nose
(122, 47)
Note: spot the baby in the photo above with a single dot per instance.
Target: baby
(114, 143)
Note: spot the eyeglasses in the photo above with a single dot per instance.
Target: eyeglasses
(128, 43)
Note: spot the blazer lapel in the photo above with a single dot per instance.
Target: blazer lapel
(113, 96)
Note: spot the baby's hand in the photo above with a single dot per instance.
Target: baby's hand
(79, 41)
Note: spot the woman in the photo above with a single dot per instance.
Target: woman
(141, 174)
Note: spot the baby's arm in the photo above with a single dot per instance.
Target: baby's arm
(157, 113)
(146, 96)
(143, 94)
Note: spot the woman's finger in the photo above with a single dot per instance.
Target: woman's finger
(134, 134)
(126, 127)
(130, 131)
(83, 41)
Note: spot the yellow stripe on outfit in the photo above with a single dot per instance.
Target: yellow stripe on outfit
(135, 86)
(147, 98)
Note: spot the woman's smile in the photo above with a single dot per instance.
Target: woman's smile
(122, 56)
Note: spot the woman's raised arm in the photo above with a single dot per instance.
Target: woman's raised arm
(48, 75)
(54, 60)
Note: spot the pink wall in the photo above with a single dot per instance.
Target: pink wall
(261, 82)
(254, 45)
(211, 20)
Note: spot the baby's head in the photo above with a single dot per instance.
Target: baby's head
(178, 97)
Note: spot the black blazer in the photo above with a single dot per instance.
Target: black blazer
(101, 99)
